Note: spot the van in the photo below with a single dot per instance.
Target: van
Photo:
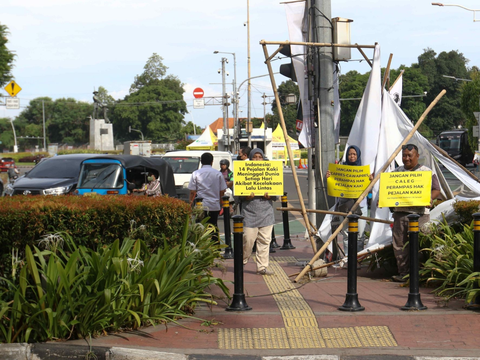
(184, 163)
(118, 174)
(455, 144)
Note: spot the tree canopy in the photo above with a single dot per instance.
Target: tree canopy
(6, 57)
(154, 106)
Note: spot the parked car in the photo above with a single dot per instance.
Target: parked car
(32, 158)
(5, 163)
(184, 163)
(57, 175)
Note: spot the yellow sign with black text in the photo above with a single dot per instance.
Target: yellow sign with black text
(405, 188)
(347, 181)
(258, 177)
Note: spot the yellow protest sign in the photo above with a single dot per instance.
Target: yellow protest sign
(258, 177)
(405, 188)
(347, 181)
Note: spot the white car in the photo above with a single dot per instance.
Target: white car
(184, 163)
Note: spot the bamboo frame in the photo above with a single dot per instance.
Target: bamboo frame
(361, 256)
(444, 153)
(369, 187)
(337, 213)
(264, 42)
(268, 59)
(386, 76)
(289, 149)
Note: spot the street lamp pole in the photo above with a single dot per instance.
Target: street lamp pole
(15, 147)
(460, 6)
(249, 117)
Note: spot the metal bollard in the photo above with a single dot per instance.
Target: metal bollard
(238, 301)
(475, 304)
(274, 239)
(351, 299)
(287, 243)
(228, 254)
(414, 302)
(271, 249)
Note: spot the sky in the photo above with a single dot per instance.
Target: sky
(68, 48)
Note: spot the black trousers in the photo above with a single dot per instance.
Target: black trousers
(213, 219)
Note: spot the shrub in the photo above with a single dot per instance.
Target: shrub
(449, 266)
(78, 292)
(90, 220)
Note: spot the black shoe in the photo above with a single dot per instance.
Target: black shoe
(399, 278)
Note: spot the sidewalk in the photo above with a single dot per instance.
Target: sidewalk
(289, 320)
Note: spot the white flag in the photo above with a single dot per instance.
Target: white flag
(396, 89)
(297, 30)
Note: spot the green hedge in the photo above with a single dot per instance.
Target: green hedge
(90, 220)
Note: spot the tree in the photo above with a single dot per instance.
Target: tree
(446, 114)
(66, 120)
(289, 110)
(157, 109)
(6, 134)
(469, 103)
(154, 69)
(6, 57)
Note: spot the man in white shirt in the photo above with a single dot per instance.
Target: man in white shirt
(209, 185)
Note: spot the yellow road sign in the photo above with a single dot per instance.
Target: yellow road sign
(12, 88)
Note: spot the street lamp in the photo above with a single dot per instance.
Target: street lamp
(460, 6)
(235, 93)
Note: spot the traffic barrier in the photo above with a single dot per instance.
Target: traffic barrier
(475, 304)
(238, 300)
(287, 243)
(351, 299)
(414, 301)
(228, 254)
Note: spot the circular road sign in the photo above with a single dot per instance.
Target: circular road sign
(198, 93)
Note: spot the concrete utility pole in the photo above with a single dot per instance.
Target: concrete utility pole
(224, 105)
(323, 88)
(249, 115)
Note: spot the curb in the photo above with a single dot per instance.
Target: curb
(49, 351)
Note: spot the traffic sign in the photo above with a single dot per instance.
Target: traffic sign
(12, 88)
(12, 103)
(199, 103)
(198, 93)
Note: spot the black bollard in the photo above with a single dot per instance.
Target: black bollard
(238, 301)
(228, 254)
(287, 243)
(414, 302)
(475, 304)
(274, 239)
(271, 249)
(351, 299)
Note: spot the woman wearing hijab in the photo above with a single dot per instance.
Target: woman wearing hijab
(344, 205)
(258, 220)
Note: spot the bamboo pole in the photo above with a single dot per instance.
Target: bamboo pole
(398, 78)
(369, 187)
(337, 213)
(289, 149)
(444, 153)
(263, 42)
(361, 256)
(364, 56)
(387, 71)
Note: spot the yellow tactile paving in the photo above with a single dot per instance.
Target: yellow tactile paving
(301, 328)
